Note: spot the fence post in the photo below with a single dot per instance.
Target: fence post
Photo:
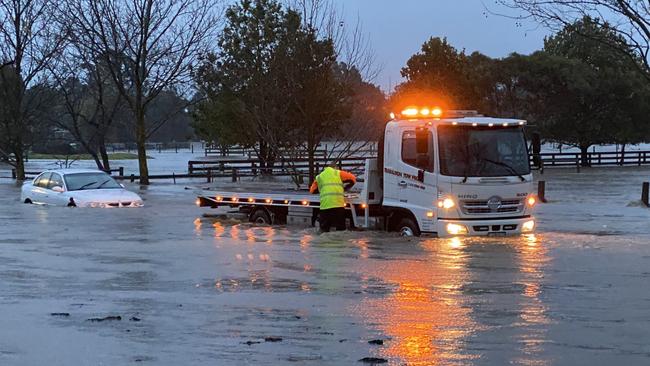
(121, 170)
(174, 177)
(234, 175)
(192, 147)
(13, 174)
(132, 178)
(190, 167)
(578, 164)
(254, 168)
(209, 175)
(645, 194)
(541, 191)
(176, 146)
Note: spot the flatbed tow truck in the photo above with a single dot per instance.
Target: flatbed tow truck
(443, 173)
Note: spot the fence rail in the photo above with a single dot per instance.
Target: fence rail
(251, 167)
(323, 151)
(610, 158)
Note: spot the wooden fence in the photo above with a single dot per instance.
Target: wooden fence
(611, 158)
(251, 167)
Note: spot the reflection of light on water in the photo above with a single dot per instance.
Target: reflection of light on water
(362, 244)
(305, 242)
(234, 231)
(533, 257)
(425, 316)
(218, 229)
(455, 243)
(197, 226)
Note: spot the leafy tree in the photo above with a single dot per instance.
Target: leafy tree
(629, 21)
(440, 72)
(240, 94)
(602, 91)
(275, 85)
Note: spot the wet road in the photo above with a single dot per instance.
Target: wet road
(195, 291)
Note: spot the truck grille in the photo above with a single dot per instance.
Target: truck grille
(477, 207)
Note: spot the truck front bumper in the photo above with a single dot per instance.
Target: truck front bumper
(494, 227)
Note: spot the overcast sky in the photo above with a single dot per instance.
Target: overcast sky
(397, 29)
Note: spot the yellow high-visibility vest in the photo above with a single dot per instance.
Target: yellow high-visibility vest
(331, 189)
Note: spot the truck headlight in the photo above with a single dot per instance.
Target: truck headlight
(528, 226)
(455, 229)
(446, 203)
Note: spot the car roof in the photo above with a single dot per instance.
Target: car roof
(73, 171)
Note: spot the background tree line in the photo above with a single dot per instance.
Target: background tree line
(284, 76)
(587, 86)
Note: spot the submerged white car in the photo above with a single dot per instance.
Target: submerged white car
(78, 188)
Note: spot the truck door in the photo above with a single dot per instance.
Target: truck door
(418, 185)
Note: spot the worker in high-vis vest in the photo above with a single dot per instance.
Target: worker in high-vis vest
(331, 184)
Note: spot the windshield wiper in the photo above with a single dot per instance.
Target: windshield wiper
(86, 185)
(104, 182)
(507, 166)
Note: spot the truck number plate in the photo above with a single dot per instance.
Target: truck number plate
(497, 233)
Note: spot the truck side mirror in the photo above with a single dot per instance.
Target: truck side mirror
(420, 175)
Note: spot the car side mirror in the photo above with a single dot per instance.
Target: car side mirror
(57, 189)
(122, 185)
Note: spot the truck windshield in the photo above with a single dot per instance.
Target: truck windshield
(482, 151)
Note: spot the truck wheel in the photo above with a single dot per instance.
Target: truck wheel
(260, 216)
(408, 227)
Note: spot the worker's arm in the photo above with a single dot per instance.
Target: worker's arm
(348, 179)
(314, 187)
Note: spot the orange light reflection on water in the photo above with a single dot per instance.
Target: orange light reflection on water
(532, 259)
(425, 316)
(429, 317)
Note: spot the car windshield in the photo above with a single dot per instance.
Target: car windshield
(467, 151)
(82, 181)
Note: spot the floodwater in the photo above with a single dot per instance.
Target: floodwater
(191, 290)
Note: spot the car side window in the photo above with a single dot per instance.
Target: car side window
(55, 180)
(410, 155)
(43, 180)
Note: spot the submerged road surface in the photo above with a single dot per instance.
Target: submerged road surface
(163, 286)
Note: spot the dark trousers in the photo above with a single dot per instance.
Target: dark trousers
(332, 217)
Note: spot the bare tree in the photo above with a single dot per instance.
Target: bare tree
(149, 46)
(352, 45)
(88, 99)
(29, 40)
(628, 18)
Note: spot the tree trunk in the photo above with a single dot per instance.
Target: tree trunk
(20, 164)
(98, 162)
(584, 155)
(141, 140)
(104, 154)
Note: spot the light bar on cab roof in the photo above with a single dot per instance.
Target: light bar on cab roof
(415, 112)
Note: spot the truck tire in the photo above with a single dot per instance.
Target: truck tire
(260, 216)
(408, 227)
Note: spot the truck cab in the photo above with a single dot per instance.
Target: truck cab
(453, 173)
